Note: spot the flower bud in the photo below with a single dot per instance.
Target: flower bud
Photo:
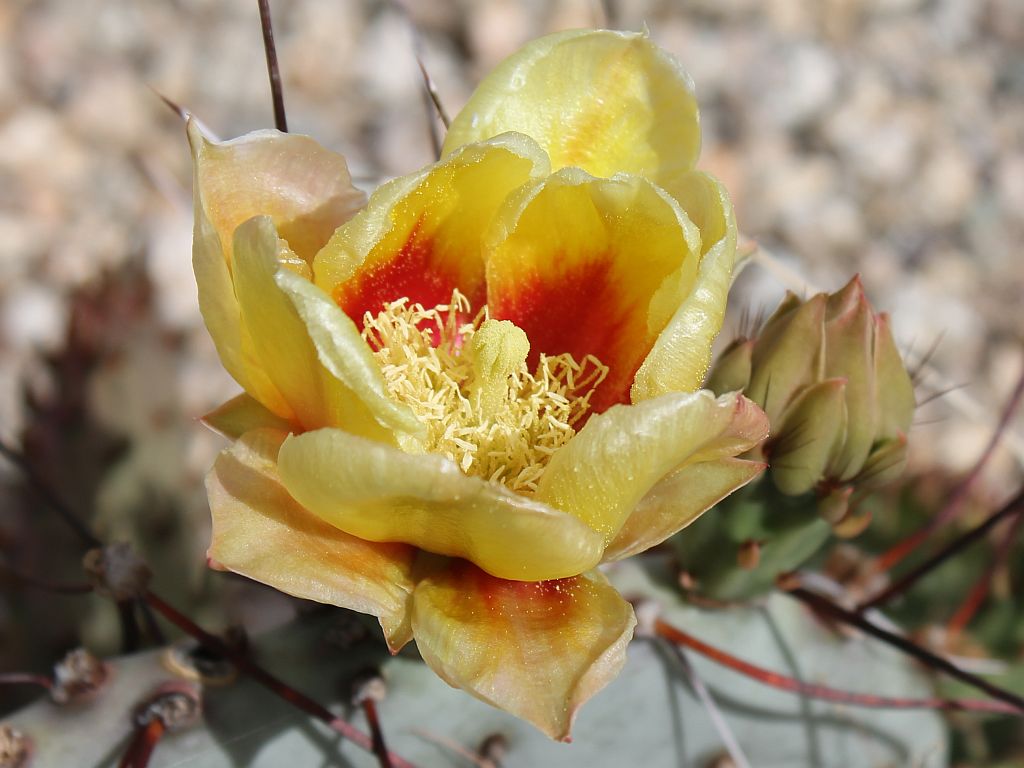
(828, 374)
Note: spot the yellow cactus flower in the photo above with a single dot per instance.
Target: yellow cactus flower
(463, 397)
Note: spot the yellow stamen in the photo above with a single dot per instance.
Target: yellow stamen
(467, 380)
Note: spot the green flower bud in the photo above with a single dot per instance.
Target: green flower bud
(840, 401)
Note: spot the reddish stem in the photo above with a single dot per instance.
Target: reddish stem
(61, 588)
(143, 742)
(827, 693)
(979, 593)
(895, 554)
(822, 605)
(901, 585)
(25, 678)
(379, 747)
(264, 678)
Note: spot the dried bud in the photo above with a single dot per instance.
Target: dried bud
(78, 677)
(116, 571)
(15, 747)
(176, 704)
(828, 374)
(193, 661)
(368, 685)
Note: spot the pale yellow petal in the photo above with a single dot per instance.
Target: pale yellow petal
(261, 532)
(242, 414)
(677, 501)
(681, 355)
(305, 188)
(538, 650)
(607, 102)
(380, 493)
(619, 456)
(281, 340)
(343, 352)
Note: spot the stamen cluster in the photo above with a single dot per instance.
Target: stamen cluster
(427, 359)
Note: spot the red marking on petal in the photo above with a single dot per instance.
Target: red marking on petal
(580, 310)
(497, 595)
(417, 272)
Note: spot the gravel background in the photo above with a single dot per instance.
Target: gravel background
(880, 136)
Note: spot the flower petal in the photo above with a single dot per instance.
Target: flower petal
(592, 267)
(419, 237)
(281, 342)
(261, 532)
(380, 493)
(240, 415)
(304, 188)
(677, 501)
(616, 459)
(538, 649)
(606, 102)
(681, 356)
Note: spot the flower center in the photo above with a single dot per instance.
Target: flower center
(466, 378)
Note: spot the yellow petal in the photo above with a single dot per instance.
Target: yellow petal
(281, 340)
(379, 493)
(618, 456)
(304, 188)
(681, 356)
(538, 650)
(677, 501)
(420, 236)
(307, 191)
(592, 267)
(607, 102)
(242, 414)
(343, 352)
(261, 532)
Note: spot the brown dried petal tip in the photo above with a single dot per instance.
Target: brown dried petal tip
(116, 571)
(78, 677)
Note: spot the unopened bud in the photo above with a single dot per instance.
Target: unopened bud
(828, 374)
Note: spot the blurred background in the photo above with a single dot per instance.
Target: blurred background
(884, 137)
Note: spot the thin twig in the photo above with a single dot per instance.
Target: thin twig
(280, 121)
(891, 557)
(453, 746)
(435, 135)
(826, 607)
(824, 692)
(901, 585)
(42, 490)
(380, 748)
(266, 679)
(60, 588)
(212, 642)
(25, 678)
(435, 97)
(919, 368)
(155, 633)
(143, 742)
(739, 759)
(979, 592)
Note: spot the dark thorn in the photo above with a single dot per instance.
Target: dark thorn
(280, 121)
